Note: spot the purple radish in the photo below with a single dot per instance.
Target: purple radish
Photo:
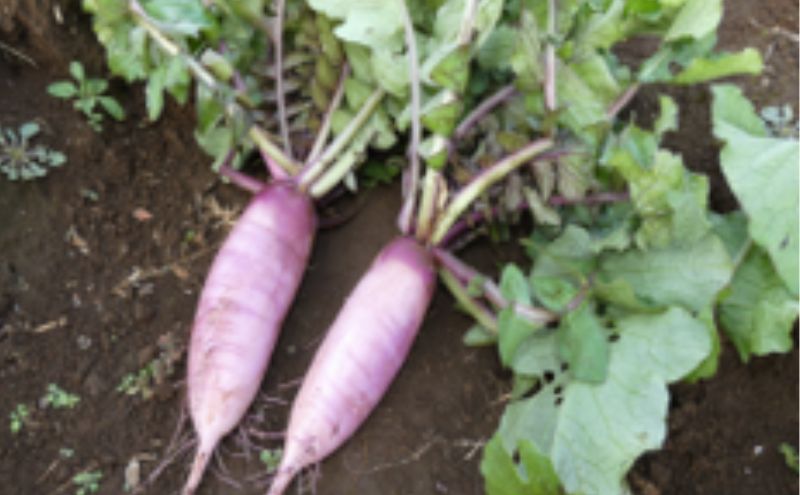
(246, 296)
(360, 356)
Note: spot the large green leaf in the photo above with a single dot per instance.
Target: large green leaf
(763, 174)
(696, 19)
(758, 312)
(685, 275)
(583, 344)
(374, 23)
(593, 433)
(184, 17)
(747, 61)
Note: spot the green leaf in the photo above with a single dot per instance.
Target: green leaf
(543, 214)
(554, 292)
(583, 344)
(689, 275)
(496, 53)
(708, 367)
(76, 69)
(112, 107)
(593, 433)
(449, 16)
(94, 87)
(527, 53)
(62, 89)
(28, 130)
(697, 19)
(392, 72)
(660, 66)
(535, 475)
(731, 228)
(376, 24)
(790, 456)
(670, 201)
(440, 114)
(667, 117)
(758, 312)
(538, 354)
(478, 336)
(512, 331)
(56, 158)
(514, 285)
(185, 17)
(763, 174)
(452, 71)
(748, 61)
(154, 94)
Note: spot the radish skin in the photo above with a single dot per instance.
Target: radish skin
(247, 294)
(360, 356)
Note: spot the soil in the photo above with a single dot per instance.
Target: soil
(103, 259)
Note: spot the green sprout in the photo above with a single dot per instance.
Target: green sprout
(87, 482)
(87, 94)
(145, 381)
(19, 416)
(271, 458)
(59, 398)
(19, 160)
(790, 456)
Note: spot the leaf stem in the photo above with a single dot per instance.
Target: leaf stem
(427, 205)
(479, 112)
(342, 140)
(242, 180)
(622, 101)
(280, 8)
(484, 181)
(475, 309)
(411, 177)
(491, 291)
(591, 199)
(270, 150)
(171, 47)
(334, 175)
(550, 59)
(468, 22)
(325, 129)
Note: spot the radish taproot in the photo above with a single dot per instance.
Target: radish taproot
(240, 312)
(361, 354)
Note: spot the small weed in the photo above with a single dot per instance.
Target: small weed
(154, 373)
(373, 174)
(87, 94)
(790, 456)
(19, 417)
(87, 482)
(59, 398)
(271, 458)
(19, 160)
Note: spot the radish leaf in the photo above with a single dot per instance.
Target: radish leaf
(753, 164)
(758, 312)
(592, 433)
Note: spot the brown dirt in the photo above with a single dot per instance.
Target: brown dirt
(425, 437)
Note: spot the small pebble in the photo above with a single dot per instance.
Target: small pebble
(84, 342)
